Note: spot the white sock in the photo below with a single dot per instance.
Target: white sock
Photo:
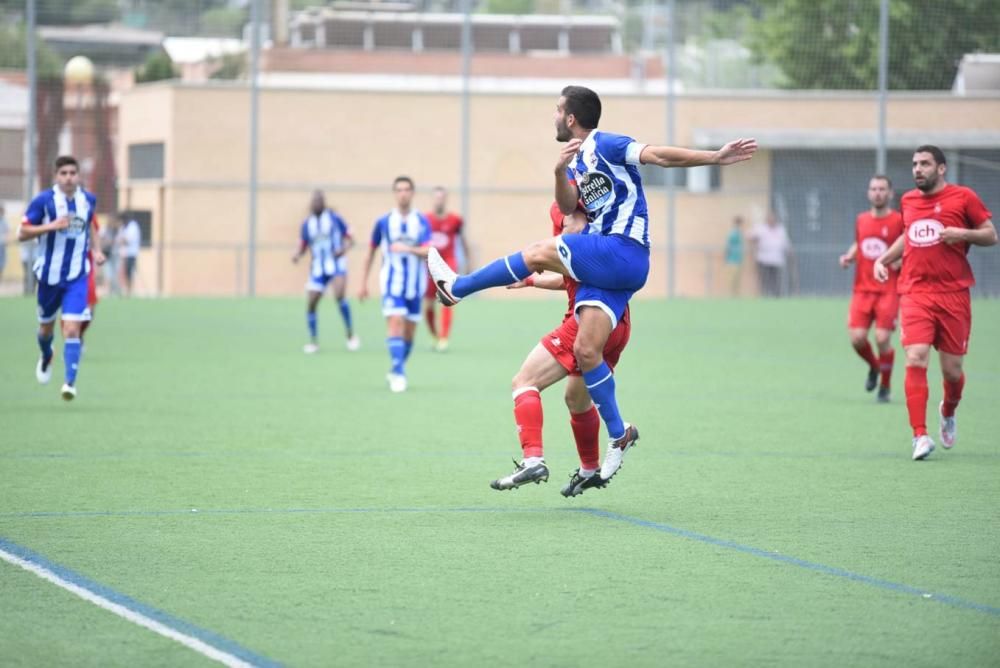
(587, 473)
(532, 461)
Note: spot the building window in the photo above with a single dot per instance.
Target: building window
(145, 161)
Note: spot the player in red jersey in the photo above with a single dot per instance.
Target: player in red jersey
(874, 231)
(942, 220)
(446, 236)
(548, 363)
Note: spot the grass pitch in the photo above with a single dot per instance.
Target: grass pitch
(770, 516)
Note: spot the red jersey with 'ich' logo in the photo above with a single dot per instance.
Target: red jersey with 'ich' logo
(929, 264)
(874, 236)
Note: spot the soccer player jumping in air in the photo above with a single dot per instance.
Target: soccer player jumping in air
(63, 219)
(610, 259)
(942, 220)
(874, 231)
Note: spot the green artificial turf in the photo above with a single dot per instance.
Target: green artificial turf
(292, 505)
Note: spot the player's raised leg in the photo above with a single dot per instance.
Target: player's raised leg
(538, 371)
(954, 383)
(586, 424)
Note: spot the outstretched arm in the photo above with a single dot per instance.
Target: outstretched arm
(849, 257)
(546, 280)
(673, 156)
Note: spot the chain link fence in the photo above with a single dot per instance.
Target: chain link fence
(159, 102)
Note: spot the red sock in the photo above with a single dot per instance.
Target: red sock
(916, 398)
(587, 432)
(446, 316)
(865, 352)
(952, 395)
(528, 417)
(429, 317)
(885, 361)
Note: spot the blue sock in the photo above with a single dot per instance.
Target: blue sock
(601, 385)
(71, 356)
(345, 313)
(397, 353)
(45, 345)
(407, 347)
(311, 321)
(504, 271)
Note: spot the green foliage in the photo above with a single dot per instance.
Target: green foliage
(156, 68)
(223, 22)
(834, 43)
(232, 66)
(14, 53)
(510, 6)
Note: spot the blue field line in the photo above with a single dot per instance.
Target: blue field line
(160, 616)
(897, 587)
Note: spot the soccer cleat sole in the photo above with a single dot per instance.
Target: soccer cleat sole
(444, 296)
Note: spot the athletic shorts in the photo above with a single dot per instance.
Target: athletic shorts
(70, 297)
(431, 292)
(941, 319)
(410, 308)
(559, 342)
(319, 283)
(867, 307)
(613, 262)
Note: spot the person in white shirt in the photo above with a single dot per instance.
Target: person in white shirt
(771, 249)
(129, 241)
(4, 230)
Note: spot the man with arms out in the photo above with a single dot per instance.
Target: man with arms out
(404, 236)
(610, 259)
(63, 220)
(325, 235)
(873, 301)
(549, 362)
(446, 236)
(941, 221)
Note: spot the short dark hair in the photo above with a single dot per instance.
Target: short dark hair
(403, 179)
(584, 104)
(934, 151)
(64, 160)
(882, 177)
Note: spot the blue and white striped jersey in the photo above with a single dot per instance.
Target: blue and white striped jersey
(403, 274)
(324, 235)
(62, 255)
(606, 172)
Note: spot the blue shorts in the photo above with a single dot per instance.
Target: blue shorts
(319, 283)
(410, 308)
(612, 262)
(70, 297)
(612, 302)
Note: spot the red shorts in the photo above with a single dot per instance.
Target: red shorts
(882, 308)
(559, 342)
(942, 319)
(431, 291)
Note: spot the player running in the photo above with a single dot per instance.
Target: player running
(549, 362)
(63, 219)
(446, 237)
(874, 231)
(404, 237)
(942, 220)
(610, 259)
(325, 235)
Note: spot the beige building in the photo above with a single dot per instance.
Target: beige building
(184, 157)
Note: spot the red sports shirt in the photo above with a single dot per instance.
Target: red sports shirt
(874, 236)
(557, 228)
(444, 229)
(929, 265)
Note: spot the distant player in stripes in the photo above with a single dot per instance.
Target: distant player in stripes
(874, 302)
(325, 235)
(403, 235)
(610, 259)
(549, 362)
(942, 221)
(63, 220)
(447, 238)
